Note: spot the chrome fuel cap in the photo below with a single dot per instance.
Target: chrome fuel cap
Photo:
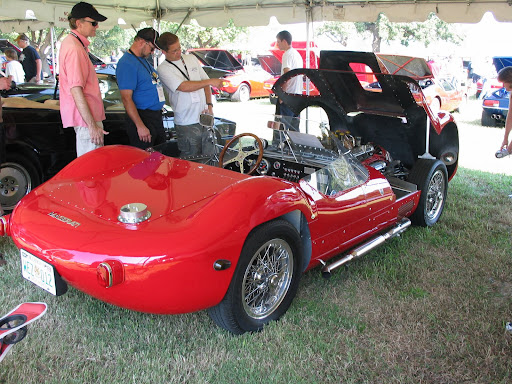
(134, 213)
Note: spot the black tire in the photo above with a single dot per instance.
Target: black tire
(487, 120)
(18, 176)
(431, 177)
(271, 283)
(242, 94)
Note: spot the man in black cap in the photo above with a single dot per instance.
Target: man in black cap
(81, 105)
(141, 91)
(29, 59)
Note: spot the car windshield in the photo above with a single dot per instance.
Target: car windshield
(110, 92)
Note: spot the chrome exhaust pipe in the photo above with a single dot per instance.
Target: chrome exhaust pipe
(367, 247)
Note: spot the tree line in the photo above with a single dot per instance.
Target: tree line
(192, 35)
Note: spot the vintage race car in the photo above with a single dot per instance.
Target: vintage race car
(232, 231)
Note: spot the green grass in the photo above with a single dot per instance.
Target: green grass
(428, 307)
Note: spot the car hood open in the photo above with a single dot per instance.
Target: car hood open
(341, 92)
(501, 62)
(217, 58)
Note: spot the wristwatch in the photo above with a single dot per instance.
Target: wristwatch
(210, 104)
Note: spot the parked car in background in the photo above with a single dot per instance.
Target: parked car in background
(490, 84)
(495, 108)
(442, 93)
(233, 231)
(37, 146)
(495, 104)
(241, 83)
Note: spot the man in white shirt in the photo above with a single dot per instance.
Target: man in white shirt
(291, 60)
(14, 67)
(188, 87)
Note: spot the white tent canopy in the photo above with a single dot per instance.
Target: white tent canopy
(209, 13)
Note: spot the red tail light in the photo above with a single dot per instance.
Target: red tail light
(4, 225)
(110, 273)
(491, 103)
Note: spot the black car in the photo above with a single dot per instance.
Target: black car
(37, 146)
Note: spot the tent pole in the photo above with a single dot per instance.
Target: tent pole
(309, 16)
(53, 43)
(183, 21)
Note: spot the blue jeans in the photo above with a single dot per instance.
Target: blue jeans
(193, 140)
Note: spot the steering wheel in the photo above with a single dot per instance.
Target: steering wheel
(242, 155)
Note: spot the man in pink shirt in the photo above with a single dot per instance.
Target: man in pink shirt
(81, 105)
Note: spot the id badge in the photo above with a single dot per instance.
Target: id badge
(194, 97)
(160, 90)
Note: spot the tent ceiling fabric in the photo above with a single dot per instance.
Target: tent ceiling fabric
(210, 13)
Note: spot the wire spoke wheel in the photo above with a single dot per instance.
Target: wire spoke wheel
(435, 195)
(431, 177)
(267, 278)
(265, 281)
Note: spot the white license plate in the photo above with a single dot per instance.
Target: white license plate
(38, 272)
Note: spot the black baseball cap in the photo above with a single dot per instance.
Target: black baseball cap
(150, 35)
(82, 9)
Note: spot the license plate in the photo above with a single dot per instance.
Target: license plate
(38, 272)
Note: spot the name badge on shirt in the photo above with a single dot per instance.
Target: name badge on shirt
(160, 90)
(194, 97)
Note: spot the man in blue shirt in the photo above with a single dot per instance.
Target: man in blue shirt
(141, 91)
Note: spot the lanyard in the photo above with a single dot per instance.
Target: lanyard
(179, 69)
(80, 40)
(150, 70)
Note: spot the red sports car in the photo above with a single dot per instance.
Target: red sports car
(240, 83)
(442, 93)
(232, 231)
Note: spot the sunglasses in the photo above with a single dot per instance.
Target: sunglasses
(93, 23)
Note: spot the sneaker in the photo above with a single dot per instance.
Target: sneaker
(502, 153)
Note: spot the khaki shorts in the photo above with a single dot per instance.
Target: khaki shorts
(83, 140)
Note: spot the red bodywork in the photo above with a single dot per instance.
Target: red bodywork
(168, 259)
(182, 257)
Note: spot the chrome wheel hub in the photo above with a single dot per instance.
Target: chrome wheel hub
(14, 184)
